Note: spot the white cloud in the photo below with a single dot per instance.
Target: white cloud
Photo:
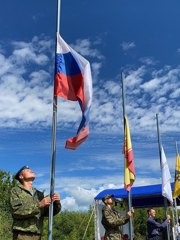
(1, 49)
(23, 103)
(80, 192)
(135, 77)
(175, 94)
(151, 85)
(148, 60)
(69, 203)
(26, 93)
(26, 55)
(96, 67)
(5, 65)
(84, 47)
(112, 87)
(128, 45)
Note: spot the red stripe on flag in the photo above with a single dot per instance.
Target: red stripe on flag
(130, 162)
(69, 87)
(73, 143)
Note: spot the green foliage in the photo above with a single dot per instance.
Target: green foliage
(5, 226)
(140, 218)
(5, 216)
(71, 226)
(5, 188)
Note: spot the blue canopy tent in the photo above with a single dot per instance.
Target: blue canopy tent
(142, 197)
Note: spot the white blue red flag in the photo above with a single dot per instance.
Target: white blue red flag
(73, 81)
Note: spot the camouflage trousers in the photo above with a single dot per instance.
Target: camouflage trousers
(112, 236)
(18, 235)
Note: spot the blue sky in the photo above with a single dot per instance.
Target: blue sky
(140, 38)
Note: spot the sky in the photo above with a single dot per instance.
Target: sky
(139, 38)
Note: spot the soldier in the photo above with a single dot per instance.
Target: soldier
(112, 220)
(29, 207)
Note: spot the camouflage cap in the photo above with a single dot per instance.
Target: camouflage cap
(18, 173)
(107, 196)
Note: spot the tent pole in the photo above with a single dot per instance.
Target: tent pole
(92, 211)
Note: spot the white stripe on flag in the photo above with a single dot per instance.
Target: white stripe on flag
(166, 178)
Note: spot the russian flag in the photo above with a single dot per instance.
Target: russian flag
(73, 81)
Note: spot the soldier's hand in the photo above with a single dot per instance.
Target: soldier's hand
(129, 214)
(168, 218)
(132, 210)
(45, 202)
(56, 198)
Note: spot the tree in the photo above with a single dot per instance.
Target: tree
(70, 226)
(5, 213)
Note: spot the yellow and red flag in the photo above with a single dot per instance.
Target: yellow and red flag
(176, 192)
(129, 170)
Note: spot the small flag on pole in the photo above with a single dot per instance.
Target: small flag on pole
(129, 170)
(166, 177)
(73, 82)
(176, 192)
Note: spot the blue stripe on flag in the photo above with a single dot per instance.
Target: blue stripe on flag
(66, 63)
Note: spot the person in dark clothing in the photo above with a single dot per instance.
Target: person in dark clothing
(154, 227)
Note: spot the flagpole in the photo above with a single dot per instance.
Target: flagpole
(54, 126)
(173, 222)
(129, 192)
(177, 148)
(177, 222)
(160, 157)
(175, 202)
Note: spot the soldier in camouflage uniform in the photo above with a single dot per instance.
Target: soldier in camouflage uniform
(29, 207)
(112, 220)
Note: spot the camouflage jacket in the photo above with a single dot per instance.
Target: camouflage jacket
(112, 220)
(27, 216)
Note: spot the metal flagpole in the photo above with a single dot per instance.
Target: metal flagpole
(177, 148)
(159, 143)
(129, 192)
(176, 217)
(173, 223)
(175, 202)
(175, 206)
(54, 124)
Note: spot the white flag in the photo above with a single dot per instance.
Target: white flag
(166, 178)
